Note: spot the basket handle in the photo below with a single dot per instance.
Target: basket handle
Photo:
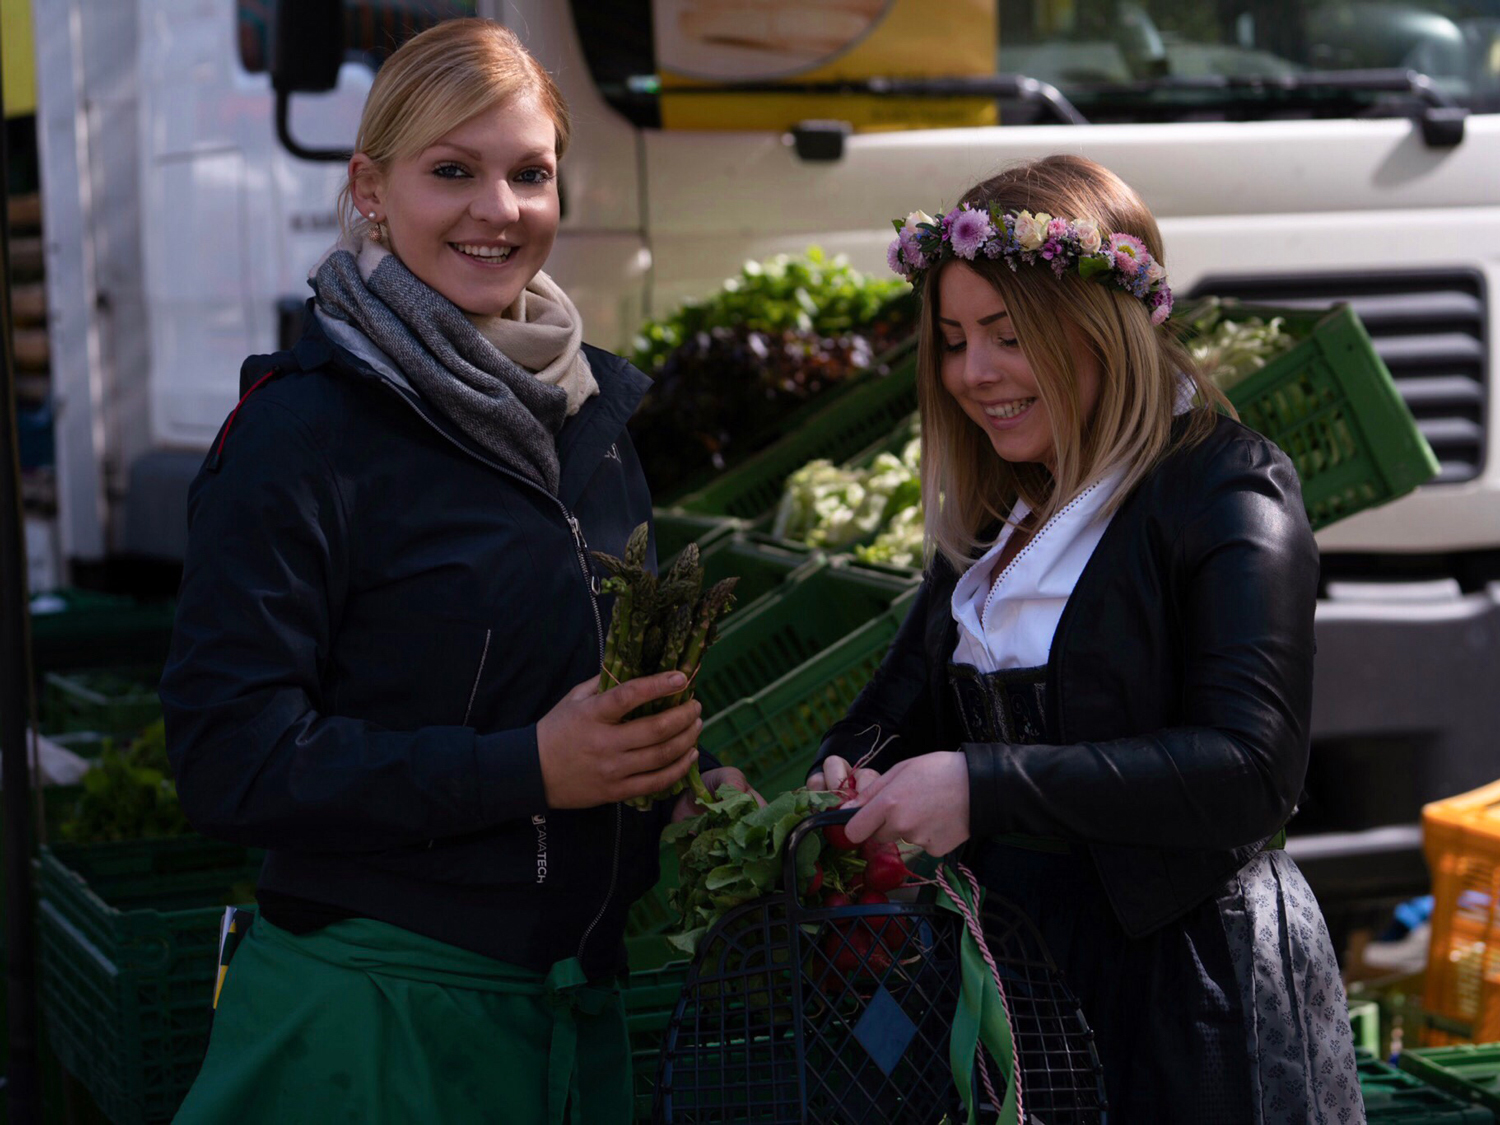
(814, 823)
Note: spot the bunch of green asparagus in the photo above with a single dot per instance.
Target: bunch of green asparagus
(660, 625)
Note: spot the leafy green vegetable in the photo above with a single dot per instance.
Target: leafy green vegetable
(826, 506)
(731, 854)
(810, 293)
(729, 368)
(1229, 347)
(129, 795)
(900, 544)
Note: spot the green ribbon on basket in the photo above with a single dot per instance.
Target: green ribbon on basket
(981, 1015)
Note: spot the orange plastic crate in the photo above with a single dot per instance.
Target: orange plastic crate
(1461, 837)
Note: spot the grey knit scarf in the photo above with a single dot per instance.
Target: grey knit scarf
(501, 406)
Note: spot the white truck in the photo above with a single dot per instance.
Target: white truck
(1297, 152)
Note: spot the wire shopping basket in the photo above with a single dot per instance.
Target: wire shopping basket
(794, 1013)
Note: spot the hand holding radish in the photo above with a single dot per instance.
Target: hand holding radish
(590, 757)
(835, 774)
(922, 800)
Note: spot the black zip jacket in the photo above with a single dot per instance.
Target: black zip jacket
(1179, 685)
(372, 619)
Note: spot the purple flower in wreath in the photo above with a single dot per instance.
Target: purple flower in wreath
(893, 257)
(968, 231)
(1161, 305)
(1052, 248)
(911, 249)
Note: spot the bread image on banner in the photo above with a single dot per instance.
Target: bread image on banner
(703, 44)
(791, 27)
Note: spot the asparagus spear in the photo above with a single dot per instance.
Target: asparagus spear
(714, 605)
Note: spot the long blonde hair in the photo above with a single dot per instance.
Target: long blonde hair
(435, 82)
(965, 486)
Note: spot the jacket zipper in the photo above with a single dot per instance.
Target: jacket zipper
(590, 580)
(614, 861)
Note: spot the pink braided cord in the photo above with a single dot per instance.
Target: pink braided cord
(977, 932)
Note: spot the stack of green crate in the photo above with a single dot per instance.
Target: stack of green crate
(1469, 1071)
(127, 937)
(1394, 1098)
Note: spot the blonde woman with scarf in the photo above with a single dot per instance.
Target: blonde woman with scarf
(388, 643)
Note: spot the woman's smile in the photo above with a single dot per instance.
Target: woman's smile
(481, 255)
(1003, 415)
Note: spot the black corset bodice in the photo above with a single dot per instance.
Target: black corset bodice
(1005, 706)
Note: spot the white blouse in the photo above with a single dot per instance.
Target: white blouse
(1011, 624)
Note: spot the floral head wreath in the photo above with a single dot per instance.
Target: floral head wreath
(1075, 245)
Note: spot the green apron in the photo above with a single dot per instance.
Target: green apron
(362, 1022)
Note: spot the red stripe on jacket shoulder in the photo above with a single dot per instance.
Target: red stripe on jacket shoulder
(213, 464)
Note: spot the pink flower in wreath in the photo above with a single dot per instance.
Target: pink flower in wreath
(1130, 253)
(1088, 235)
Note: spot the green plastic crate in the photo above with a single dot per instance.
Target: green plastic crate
(113, 701)
(773, 735)
(762, 565)
(1330, 403)
(836, 431)
(779, 633)
(128, 934)
(1468, 1071)
(893, 442)
(1394, 1098)
(675, 530)
(649, 999)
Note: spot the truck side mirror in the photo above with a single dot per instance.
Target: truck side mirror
(307, 49)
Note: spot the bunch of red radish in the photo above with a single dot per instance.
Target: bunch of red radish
(860, 944)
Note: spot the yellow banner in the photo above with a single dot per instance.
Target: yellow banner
(714, 42)
(18, 60)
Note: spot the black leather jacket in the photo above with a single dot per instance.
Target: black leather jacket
(1179, 684)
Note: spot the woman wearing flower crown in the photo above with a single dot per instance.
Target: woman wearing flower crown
(1103, 688)
(388, 642)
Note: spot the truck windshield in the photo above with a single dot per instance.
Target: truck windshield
(373, 29)
(1167, 60)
